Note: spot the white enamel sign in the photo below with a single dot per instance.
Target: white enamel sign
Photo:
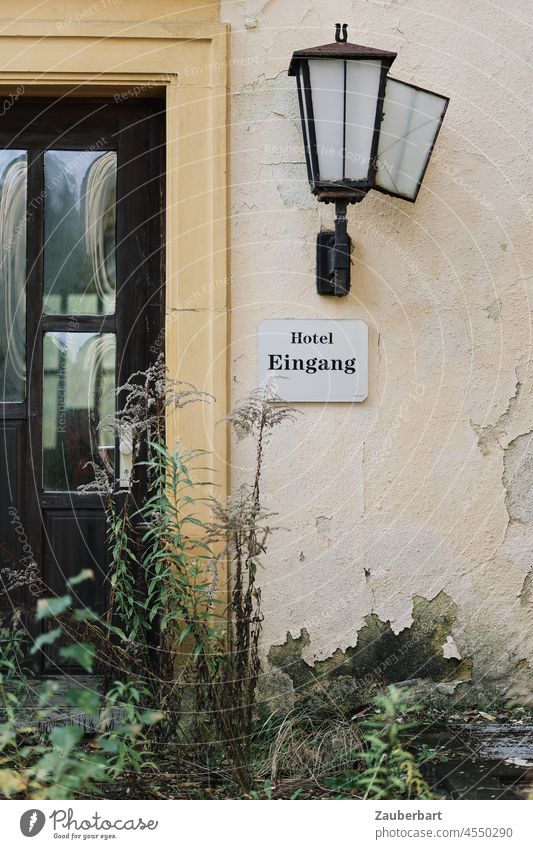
(307, 360)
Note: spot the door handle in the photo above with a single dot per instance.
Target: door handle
(125, 450)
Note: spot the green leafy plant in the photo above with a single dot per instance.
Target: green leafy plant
(166, 558)
(127, 745)
(388, 768)
(177, 649)
(58, 763)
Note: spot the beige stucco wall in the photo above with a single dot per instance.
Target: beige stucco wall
(425, 487)
(416, 505)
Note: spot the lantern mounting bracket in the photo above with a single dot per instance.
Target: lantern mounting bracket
(333, 249)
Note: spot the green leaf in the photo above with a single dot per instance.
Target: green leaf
(81, 653)
(184, 633)
(84, 575)
(150, 717)
(47, 607)
(120, 633)
(47, 691)
(86, 700)
(66, 737)
(8, 735)
(109, 743)
(84, 614)
(46, 639)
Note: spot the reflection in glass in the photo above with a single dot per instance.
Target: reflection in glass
(78, 393)
(13, 170)
(411, 121)
(79, 229)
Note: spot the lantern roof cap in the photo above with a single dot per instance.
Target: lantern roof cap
(340, 50)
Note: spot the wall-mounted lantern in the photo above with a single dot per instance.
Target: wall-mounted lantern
(362, 130)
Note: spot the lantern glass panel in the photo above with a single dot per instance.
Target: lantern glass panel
(327, 87)
(411, 122)
(305, 120)
(362, 91)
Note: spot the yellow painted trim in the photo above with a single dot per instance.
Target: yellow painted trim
(110, 29)
(191, 62)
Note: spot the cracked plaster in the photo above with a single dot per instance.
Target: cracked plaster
(426, 487)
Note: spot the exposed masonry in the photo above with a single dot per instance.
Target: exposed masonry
(348, 678)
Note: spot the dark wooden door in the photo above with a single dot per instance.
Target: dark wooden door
(81, 303)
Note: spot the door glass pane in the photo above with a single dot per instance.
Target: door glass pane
(78, 392)
(13, 169)
(79, 231)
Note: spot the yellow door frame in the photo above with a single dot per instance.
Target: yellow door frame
(189, 62)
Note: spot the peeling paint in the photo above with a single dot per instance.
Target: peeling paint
(379, 657)
(323, 528)
(518, 478)
(526, 593)
(323, 524)
(497, 432)
(450, 649)
(428, 496)
(251, 20)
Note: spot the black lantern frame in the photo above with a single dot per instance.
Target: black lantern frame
(351, 191)
(333, 247)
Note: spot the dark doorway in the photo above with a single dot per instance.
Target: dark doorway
(81, 306)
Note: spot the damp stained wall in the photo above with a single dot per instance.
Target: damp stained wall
(426, 487)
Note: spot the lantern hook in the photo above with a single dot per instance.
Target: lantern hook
(344, 37)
